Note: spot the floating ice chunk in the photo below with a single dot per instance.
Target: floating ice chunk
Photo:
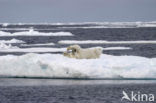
(5, 24)
(12, 41)
(33, 50)
(58, 66)
(4, 46)
(106, 42)
(117, 48)
(31, 32)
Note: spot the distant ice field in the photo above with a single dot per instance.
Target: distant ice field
(118, 38)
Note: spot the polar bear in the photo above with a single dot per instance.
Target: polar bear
(75, 51)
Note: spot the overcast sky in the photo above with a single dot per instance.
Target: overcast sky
(40, 11)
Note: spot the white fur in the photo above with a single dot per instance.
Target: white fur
(80, 53)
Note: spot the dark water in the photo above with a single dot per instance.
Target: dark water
(110, 34)
(71, 91)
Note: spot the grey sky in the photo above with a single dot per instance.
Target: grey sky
(39, 11)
